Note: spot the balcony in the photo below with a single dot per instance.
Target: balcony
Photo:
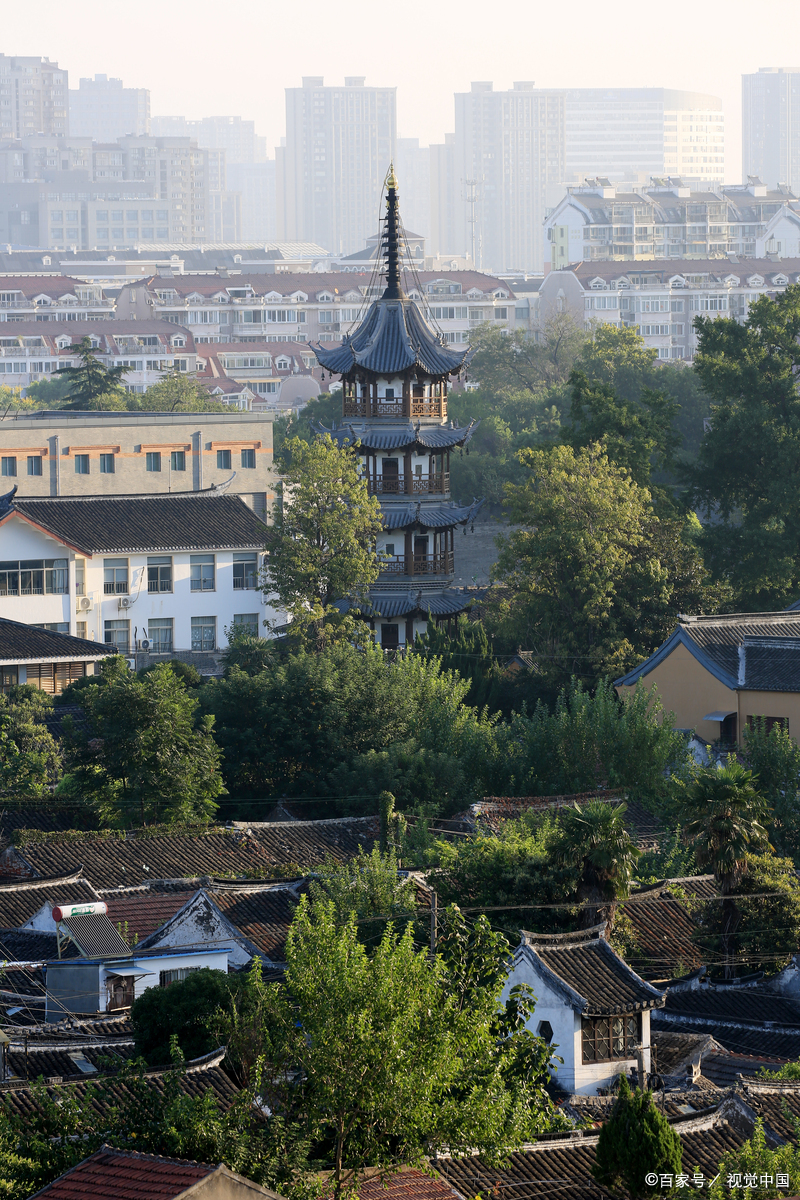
(429, 408)
(437, 484)
(419, 564)
(436, 408)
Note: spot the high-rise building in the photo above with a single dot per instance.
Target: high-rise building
(413, 164)
(255, 183)
(237, 137)
(619, 133)
(444, 200)
(339, 143)
(104, 110)
(33, 97)
(771, 126)
(508, 146)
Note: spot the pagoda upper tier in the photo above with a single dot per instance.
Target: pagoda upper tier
(394, 339)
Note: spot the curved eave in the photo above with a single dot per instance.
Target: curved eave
(393, 339)
(430, 516)
(436, 437)
(679, 637)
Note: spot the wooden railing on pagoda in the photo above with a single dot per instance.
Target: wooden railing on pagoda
(413, 403)
(420, 564)
(437, 484)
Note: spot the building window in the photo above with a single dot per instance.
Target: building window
(246, 622)
(608, 1038)
(390, 636)
(9, 677)
(153, 460)
(8, 466)
(248, 460)
(177, 460)
(159, 574)
(115, 576)
(201, 567)
(224, 460)
(245, 572)
(118, 634)
(54, 626)
(767, 723)
(165, 978)
(80, 629)
(159, 631)
(204, 633)
(56, 578)
(80, 576)
(81, 464)
(106, 464)
(34, 464)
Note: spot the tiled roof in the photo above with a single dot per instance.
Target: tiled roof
(202, 1076)
(262, 914)
(124, 1175)
(190, 521)
(394, 437)
(25, 643)
(407, 1184)
(673, 1051)
(664, 924)
(393, 337)
(21, 900)
(735, 1004)
(592, 976)
(431, 516)
(723, 1067)
(676, 1106)
(769, 1099)
(737, 1038)
(140, 913)
(65, 1060)
(770, 664)
(566, 1165)
(337, 283)
(31, 945)
(249, 851)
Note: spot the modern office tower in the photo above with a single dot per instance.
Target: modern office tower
(238, 138)
(33, 97)
(413, 163)
(619, 133)
(339, 143)
(508, 146)
(255, 183)
(104, 110)
(771, 126)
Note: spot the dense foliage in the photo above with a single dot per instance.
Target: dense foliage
(636, 1140)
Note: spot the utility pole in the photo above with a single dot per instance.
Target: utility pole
(471, 198)
(434, 924)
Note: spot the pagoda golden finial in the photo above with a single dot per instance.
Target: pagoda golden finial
(391, 178)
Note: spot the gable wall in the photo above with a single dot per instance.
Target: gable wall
(201, 924)
(686, 688)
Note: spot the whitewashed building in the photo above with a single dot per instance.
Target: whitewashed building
(147, 575)
(591, 1008)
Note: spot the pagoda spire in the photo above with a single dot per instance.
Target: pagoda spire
(391, 239)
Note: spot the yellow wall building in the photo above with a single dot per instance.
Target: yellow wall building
(717, 673)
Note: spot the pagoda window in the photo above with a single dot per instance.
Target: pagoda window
(390, 393)
(390, 637)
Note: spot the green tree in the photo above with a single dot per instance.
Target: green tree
(251, 653)
(636, 1140)
(93, 385)
(179, 392)
(756, 1159)
(48, 393)
(325, 409)
(30, 758)
(322, 546)
(723, 818)
(747, 474)
(389, 1057)
(147, 756)
(185, 1010)
(522, 361)
(594, 836)
(468, 651)
(774, 758)
(615, 356)
(367, 886)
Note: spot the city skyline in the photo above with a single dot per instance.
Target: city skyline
(271, 58)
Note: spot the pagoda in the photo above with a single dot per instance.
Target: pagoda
(395, 369)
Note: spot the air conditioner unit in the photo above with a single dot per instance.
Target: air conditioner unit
(131, 663)
(145, 644)
(84, 603)
(124, 601)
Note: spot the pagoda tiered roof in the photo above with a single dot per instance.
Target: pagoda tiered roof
(400, 436)
(393, 338)
(404, 604)
(432, 516)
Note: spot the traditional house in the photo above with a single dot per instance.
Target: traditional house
(592, 1009)
(110, 1173)
(41, 656)
(717, 674)
(395, 369)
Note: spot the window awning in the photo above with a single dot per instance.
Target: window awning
(719, 716)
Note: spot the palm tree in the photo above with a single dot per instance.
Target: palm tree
(596, 839)
(723, 815)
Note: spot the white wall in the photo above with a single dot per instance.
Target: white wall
(148, 969)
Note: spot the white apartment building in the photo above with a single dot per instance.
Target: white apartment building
(78, 454)
(309, 307)
(619, 132)
(103, 110)
(339, 143)
(509, 145)
(34, 97)
(601, 221)
(158, 575)
(661, 301)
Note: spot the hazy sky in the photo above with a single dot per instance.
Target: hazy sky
(207, 57)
